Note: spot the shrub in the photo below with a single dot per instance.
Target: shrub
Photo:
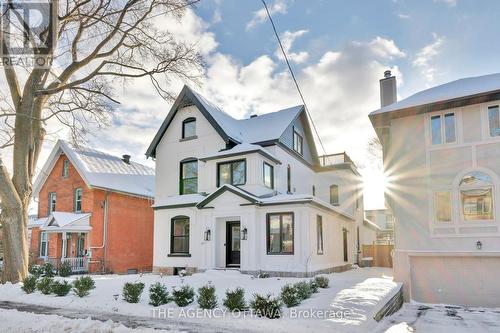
(83, 285)
(290, 295)
(48, 270)
(235, 300)
(158, 294)
(303, 289)
(65, 269)
(61, 288)
(35, 270)
(263, 275)
(45, 285)
(266, 306)
(322, 281)
(183, 273)
(314, 286)
(29, 284)
(206, 297)
(132, 292)
(183, 296)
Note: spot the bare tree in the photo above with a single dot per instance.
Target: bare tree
(374, 149)
(90, 46)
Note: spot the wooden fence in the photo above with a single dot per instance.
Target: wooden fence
(381, 254)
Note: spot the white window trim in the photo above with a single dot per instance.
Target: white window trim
(486, 123)
(443, 133)
(46, 244)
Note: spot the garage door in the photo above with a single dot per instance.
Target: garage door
(469, 281)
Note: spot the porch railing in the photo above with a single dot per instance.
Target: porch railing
(327, 160)
(78, 265)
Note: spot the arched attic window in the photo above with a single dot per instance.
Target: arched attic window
(189, 128)
(476, 196)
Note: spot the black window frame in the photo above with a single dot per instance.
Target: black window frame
(300, 148)
(181, 179)
(332, 202)
(231, 168)
(50, 202)
(75, 200)
(264, 174)
(65, 169)
(172, 237)
(320, 250)
(268, 229)
(187, 121)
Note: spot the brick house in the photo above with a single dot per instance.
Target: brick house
(94, 211)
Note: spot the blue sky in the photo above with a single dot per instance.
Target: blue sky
(338, 49)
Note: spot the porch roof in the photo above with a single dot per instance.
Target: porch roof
(67, 222)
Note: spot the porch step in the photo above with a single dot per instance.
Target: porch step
(226, 268)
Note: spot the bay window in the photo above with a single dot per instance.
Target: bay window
(233, 173)
(280, 233)
(268, 175)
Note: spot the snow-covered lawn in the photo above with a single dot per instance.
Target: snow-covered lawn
(358, 294)
(431, 318)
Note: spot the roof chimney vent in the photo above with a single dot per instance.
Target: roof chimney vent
(388, 90)
(126, 159)
(387, 74)
(253, 116)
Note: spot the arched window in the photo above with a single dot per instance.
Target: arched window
(476, 196)
(189, 128)
(179, 235)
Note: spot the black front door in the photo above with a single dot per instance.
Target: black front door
(233, 243)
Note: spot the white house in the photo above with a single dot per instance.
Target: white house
(251, 194)
(442, 159)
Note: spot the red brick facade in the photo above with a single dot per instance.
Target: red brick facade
(129, 243)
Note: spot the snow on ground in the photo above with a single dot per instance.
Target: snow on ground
(23, 322)
(355, 295)
(430, 318)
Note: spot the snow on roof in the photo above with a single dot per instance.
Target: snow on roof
(102, 170)
(239, 149)
(186, 199)
(451, 90)
(32, 223)
(62, 219)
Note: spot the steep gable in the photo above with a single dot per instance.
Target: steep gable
(301, 125)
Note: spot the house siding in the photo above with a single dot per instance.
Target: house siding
(287, 138)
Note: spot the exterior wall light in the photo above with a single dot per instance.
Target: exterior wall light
(207, 235)
(244, 232)
(479, 245)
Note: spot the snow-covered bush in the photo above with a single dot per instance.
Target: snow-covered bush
(183, 296)
(263, 275)
(290, 295)
(65, 269)
(322, 281)
(158, 294)
(206, 297)
(48, 270)
(45, 285)
(266, 306)
(35, 270)
(183, 273)
(61, 288)
(235, 300)
(29, 284)
(132, 291)
(303, 289)
(83, 285)
(314, 286)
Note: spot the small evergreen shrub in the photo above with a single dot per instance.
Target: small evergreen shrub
(132, 291)
(183, 273)
(29, 284)
(235, 300)
(65, 269)
(322, 281)
(35, 270)
(206, 297)
(83, 285)
(61, 288)
(45, 285)
(290, 295)
(266, 306)
(263, 275)
(314, 286)
(303, 289)
(158, 294)
(183, 296)
(48, 270)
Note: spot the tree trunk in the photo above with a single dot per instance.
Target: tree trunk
(15, 222)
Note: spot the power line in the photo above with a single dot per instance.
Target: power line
(293, 76)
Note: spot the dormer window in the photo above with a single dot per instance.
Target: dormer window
(297, 142)
(189, 128)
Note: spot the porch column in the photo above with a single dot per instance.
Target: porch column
(64, 245)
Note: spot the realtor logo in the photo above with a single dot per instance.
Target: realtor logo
(28, 32)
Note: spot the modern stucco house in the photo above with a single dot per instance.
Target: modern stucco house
(442, 159)
(251, 194)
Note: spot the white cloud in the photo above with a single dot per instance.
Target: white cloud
(424, 58)
(278, 7)
(403, 16)
(287, 40)
(217, 17)
(451, 3)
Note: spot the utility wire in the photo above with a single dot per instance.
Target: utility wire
(293, 76)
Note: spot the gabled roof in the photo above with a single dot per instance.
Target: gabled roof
(63, 221)
(231, 188)
(242, 148)
(266, 127)
(101, 170)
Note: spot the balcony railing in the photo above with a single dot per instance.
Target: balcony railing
(333, 159)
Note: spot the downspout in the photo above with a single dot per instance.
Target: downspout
(105, 231)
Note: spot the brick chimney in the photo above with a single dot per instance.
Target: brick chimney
(388, 90)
